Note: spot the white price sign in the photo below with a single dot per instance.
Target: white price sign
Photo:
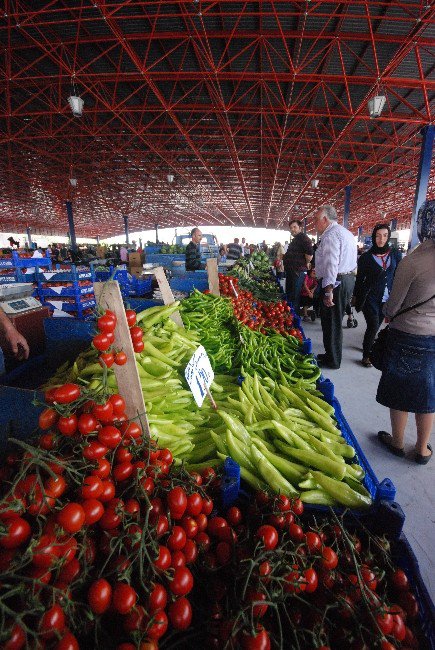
(199, 375)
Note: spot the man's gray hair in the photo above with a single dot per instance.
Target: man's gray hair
(330, 212)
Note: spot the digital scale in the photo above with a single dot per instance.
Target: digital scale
(16, 299)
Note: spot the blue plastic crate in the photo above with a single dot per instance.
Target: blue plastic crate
(404, 556)
(139, 304)
(188, 284)
(67, 291)
(152, 250)
(165, 259)
(230, 486)
(6, 263)
(7, 279)
(378, 489)
(30, 262)
(139, 287)
(64, 275)
(25, 277)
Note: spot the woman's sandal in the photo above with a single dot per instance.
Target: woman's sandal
(423, 460)
(386, 440)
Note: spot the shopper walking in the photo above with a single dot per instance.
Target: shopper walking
(193, 251)
(335, 265)
(296, 262)
(374, 279)
(407, 384)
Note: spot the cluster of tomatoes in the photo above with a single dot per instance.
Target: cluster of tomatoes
(97, 532)
(103, 341)
(275, 575)
(258, 314)
(81, 283)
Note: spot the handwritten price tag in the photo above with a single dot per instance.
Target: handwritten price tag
(199, 375)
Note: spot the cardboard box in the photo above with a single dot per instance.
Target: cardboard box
(135, 260)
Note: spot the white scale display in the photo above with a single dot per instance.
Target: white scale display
(20, 305)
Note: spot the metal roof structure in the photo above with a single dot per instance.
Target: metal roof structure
(244, 103)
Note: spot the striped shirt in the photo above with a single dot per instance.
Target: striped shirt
(336, 253)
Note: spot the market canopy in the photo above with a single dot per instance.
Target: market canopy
(224, 113)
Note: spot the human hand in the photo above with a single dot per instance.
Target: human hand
(17, 343)
(328, 301)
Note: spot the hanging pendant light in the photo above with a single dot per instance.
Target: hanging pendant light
(315, 183)
(76, 104)
(375, 105)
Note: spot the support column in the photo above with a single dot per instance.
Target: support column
(125, 217)
(348, 190)
(29, 236)
(72, 230)
(428, 133)
(360, 232)
(157, 233)
(98, 240)
(305, 225)
(393, 224)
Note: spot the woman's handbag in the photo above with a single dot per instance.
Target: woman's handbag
(378, 351)
(379, 348)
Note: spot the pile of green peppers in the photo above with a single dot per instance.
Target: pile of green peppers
(275, 425)
(275, 356)
(212, 318)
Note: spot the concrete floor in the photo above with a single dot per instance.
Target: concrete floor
(355, 388)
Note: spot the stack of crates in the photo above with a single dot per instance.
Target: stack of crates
(69, 289)
(13, 269)
(120, 274)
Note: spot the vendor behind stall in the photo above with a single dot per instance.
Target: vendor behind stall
(193, 251)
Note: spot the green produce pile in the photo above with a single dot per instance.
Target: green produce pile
(254, 275)
(172, 249)
(212, 318)
(276, 356)
(282, 434)
(287, 439)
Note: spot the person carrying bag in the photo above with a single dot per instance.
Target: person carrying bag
(379, 348)
(407, 383)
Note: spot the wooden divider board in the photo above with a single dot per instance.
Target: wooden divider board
(167, 295)
(213, 276)
(108, 296)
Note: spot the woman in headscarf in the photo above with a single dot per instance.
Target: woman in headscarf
(407, 383)
(376, 269)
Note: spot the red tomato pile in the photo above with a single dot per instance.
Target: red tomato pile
(136, 332)
(104, 340)
(97, 532)
(258, 314)
(276, 580)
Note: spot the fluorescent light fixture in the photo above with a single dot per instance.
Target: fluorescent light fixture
(170, 178)
(315, 183)
(73, 182)
(376, 104)
(76, 104)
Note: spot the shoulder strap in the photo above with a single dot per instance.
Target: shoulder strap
(419, 304)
